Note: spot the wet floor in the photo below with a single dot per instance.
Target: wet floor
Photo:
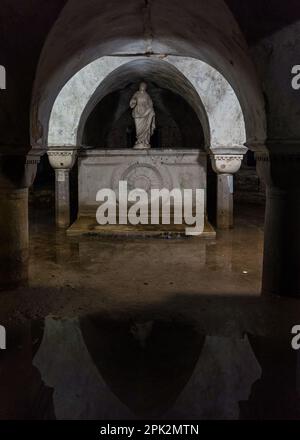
(164, 329)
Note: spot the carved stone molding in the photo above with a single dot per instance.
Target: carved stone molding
(142, 175)
(62, 159)
(262, 157)
(226, 163)
(33, 158)
(18, 170)
(141, 169)
(278, 157)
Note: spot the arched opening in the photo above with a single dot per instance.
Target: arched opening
(205, 89)
(146, 328)
(110, 124)
(204, 93)
(203, 103)
(107, 123)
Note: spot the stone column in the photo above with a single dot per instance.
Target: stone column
(14, 237)
(62, 160)
(225, 165)
(281, 266)
(16, 176)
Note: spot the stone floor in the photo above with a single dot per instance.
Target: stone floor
(71, 274)
(156, 328)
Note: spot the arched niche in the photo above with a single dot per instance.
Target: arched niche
(163, 80)
(207, 91)
(94, 30)
(110, 124)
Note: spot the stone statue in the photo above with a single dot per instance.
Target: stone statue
(144, 117)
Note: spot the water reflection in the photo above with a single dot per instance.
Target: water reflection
(104, 368)
(180, 332)
(99, 367)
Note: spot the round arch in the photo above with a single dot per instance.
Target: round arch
(220, 104)
(206, 32)
(152, 70)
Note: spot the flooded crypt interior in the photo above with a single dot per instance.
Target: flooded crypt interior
(141, 321)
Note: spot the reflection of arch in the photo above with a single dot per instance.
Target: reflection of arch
(189, 77)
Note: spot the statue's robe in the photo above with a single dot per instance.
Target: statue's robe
(144, 116)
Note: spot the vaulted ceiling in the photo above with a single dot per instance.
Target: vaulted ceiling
(74, 32)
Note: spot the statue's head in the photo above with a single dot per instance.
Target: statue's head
(143, 87)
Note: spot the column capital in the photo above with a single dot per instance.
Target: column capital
(62, 158)
(226, 163)
(229, 150)
(18, 170)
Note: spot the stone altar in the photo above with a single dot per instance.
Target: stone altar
(146, 169)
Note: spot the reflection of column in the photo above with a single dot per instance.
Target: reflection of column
(17, 175)
(225, 165)
(281, 267)
(24, 395)
(62, 160)
(223, 252)
(65, 250)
